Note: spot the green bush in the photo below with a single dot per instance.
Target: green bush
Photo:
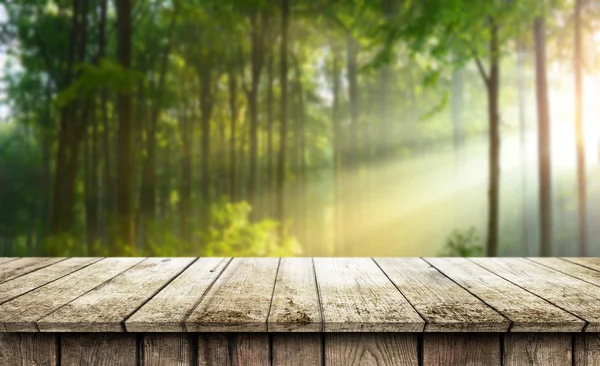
(463, 243)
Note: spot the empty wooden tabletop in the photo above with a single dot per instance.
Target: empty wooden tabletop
(299, 295)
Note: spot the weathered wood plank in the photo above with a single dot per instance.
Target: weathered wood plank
(21, 313)
(239, 300)
(528, 312)
(571, 294)
(167, 349)
(114, 349)
(371, 349)
(587, 349)
(465, 349)
(295, 305)
(445, 306)
(590, 262)
(297, 349)
(106, 307)
(356, 296)
(19, 349)
(570, 269)
(233, 349)
(553, 349)
(7, 259)
(167, 310)
(21, 266)
(18, 286)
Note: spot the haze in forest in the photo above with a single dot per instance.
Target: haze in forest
(299, 128)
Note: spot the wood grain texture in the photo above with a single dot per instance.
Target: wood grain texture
(445, 306)
(98, 349)
(18, 286)
(571, 294)
(528, 312)
(356, 296)
(590, 262)
(570, 269)
(167, 310)
(239, 300)
(371, 349)
(22, 313)
(21, 266)
(167, 349)
(7, 259)
(297, 349)
(105, 308)
(21, 349)
(233, 349)
(552, 349)
(464, 349)
(295, 305)
(586, 349)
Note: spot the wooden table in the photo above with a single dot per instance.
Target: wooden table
(299, 311)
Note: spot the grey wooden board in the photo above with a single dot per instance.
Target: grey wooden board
(167, 310)
(7, 259)
(98, 349)
(167, 349)
(21, 266)
(465, 349)
(20, 285)
(239, 300)
(571, 294)
(586, 349)
(233, 349)
(529, 313)
(445, 306)
(297, 349)
(105, 308)
(371, 349)
(570, 269)
(356, 296)
(295, 304)
(552, 349)
(21, 313)
(593, 263)
(26, 349)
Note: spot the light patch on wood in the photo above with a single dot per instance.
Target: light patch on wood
(166, 311)
(105, 308)
(295, 304)
(356, 296)
(445, 306)
(239, 300)
(371, 349)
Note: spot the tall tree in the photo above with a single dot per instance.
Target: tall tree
(579, 135)
(283, 120)
(545, 178)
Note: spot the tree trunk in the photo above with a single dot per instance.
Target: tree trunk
(352, 154)
(257, 56)
(522, 137)
(232, 81)
(185, 204)
(283, 59)
(125, 223)
(337, 155)
(494, 127)
(206, 112)
(544, 139)
(147, 204)
(457, 102)
(270, 167)
(579, 135)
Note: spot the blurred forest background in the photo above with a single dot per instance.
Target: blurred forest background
(299, 127)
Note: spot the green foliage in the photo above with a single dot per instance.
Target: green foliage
(463, 243)
(232, 233)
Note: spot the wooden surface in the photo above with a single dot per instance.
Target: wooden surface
(309, 295)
